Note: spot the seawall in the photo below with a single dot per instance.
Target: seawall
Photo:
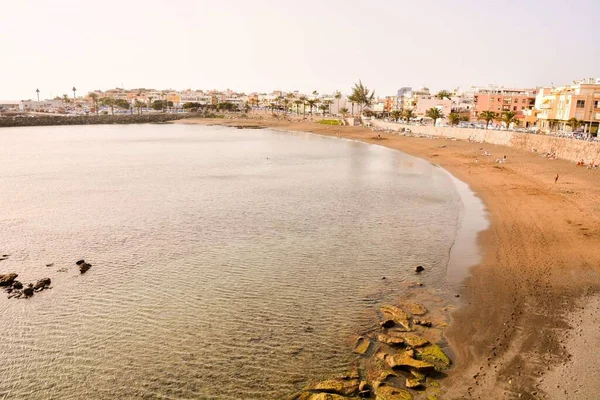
(567, 149)
(46, 120)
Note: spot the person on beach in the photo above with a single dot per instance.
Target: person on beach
(556, 179)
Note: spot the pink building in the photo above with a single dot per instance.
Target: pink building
(500, 100)
(425, 102)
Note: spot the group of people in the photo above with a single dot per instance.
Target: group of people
(590, 165)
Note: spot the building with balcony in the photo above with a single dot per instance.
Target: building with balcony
(580, 100)
(499, 99)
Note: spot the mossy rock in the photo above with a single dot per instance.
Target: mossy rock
(344, 387)
(414, 340)
(416, 308)
(392, 393)
(362, 345)
(434, 355)
(396, 314)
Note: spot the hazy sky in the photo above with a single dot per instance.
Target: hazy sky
(261, 45)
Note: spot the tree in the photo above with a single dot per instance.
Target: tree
(396, 115)
(286, 103)
(574, 123)
(443, 94)
(150, 101)
(74, 91)
(311, 103)
(362, 95)
(324, 108)
(434, 113)
(487, 116)
(297, 103)
(139, 105)
(454, 118)
(352, 99)
(157, 105)
(123, 104)
(94, 98)
(327, 104)
(509, 117)
(344, 112)
(107, 101)
(65, 98)
(338, 96)
(303, 99)
(408, 114)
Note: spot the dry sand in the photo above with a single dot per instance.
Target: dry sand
(521, 332)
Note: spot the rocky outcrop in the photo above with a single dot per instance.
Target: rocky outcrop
(7, 279)
(42, 284)
(392, 393)
(47, 120)
(343, 387)
(362, 345)
(395, 314)
(403, 360)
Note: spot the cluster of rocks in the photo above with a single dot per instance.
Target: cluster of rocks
(396, 362)
(16, 289)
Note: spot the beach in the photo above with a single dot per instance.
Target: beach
(526, 311)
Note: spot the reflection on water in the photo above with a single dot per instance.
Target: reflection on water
(228, 264)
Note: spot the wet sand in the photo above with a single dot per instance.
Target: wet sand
(520, 324)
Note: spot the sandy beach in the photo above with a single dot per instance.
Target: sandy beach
(527, 324)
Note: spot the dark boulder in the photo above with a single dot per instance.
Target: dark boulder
(7, 279)
(42, 284)
(80, 262)
(17, 285)
(28, 291)
(419, 268)
(83, 267)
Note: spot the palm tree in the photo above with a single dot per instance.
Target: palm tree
(138, 104)
(328, 103)
(150, 100)
(94, 98)
(344, 112)
(74, 91)
(107, 101)
(362, 95)
(352, 99)
(396, 115)
(487, 116)
(297, 103)
(37, 91)
(338, 96)
(454, 118)
(65, 98)
(443, 94)
(286, 103)
(408, 114)
(311, 103)
(323, 107)
(509, 117)
(434, 113)
(574, 123)
(303, 99)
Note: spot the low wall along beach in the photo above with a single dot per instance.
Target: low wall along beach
(567, 149)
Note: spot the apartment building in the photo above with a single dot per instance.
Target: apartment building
(503, 99)
(557, 105)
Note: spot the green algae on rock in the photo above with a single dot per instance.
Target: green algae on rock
(397, 315)
(435, 355)
(362, 345)
(392, 393)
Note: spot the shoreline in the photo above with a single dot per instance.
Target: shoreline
(540, 260)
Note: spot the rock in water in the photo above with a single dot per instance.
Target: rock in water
(7, 279)
(28, 291)
(362, 345)
(83, 267)
(42, 284)
(419, 269)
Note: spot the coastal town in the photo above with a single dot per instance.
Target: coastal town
(569, 110)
